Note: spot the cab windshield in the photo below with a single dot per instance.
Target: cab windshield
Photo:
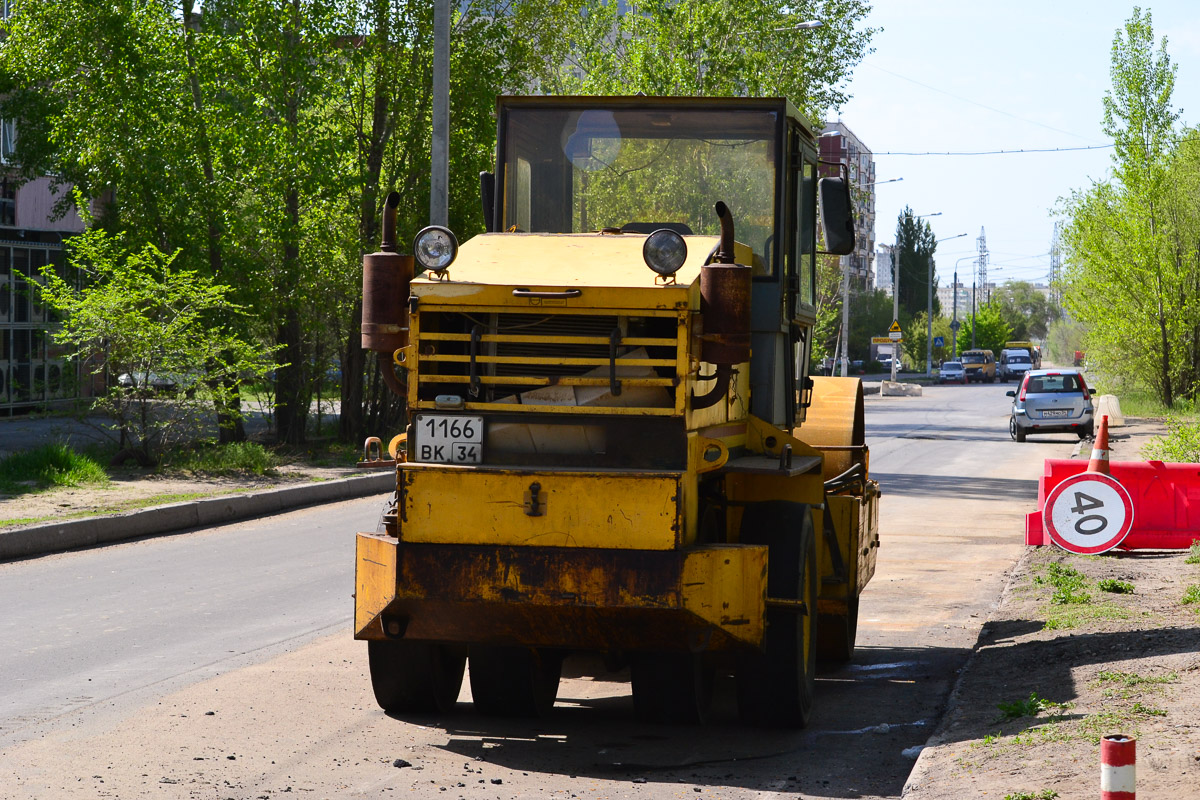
(575, 170)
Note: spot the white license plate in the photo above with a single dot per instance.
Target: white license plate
(1058, 412)
(449, 439)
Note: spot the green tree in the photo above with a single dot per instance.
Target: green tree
(258, 139)
(711, 48)
(138, 313)
(870, 315)
(915, 337)
(987, 329)
(1026, 310)
(914, 251)
(1130, 273)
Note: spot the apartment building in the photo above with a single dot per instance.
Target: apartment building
(840, 145)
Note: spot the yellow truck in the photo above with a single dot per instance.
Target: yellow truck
(613, 446)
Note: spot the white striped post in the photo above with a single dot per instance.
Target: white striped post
(1118, 767)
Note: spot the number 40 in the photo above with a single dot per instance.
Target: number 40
(1088, 524)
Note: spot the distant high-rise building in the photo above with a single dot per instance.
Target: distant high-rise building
(884, 267)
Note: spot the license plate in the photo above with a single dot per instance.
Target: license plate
(1058, 412)
(449, 439)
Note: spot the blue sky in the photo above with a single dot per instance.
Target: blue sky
(961, 75)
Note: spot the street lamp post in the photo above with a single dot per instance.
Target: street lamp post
(954, 323)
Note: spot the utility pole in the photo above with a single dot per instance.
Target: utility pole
(981, 276)
(895, 308)
(954, 321)
(845, 317)
(439, 179)
(972, 315)
(1055, 263)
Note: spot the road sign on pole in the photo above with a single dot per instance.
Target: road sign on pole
(1088, 513)
(939, 341)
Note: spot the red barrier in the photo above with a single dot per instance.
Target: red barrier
(1166, 502)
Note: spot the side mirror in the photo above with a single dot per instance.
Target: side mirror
(837, 215)
(1011, 393)
(487, 196)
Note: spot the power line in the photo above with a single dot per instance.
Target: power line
(972, 102)
(999, 152)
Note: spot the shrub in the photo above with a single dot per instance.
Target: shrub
(46, 466)
(1181, 442)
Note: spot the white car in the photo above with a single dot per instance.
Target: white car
(952, 372)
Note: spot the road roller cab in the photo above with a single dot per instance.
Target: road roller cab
(613, 444)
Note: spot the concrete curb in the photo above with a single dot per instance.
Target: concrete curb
(59, 536)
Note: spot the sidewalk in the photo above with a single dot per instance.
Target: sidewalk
(229, 504)
(968, 758)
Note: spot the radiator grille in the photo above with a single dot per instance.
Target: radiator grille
(532, 361)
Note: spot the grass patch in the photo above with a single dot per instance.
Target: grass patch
(1143, 403)
(1094, 727)
(1193, 556)
(1134, 679)
(1030, 707)
(237, 458)
(1044, 794)
(51, 465)
(1124, 685)
(1064, 618)
(1149, 711)
(1191, 596)
(1114, 586)
(1068, 582)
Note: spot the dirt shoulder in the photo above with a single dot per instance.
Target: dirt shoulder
(1062, 662)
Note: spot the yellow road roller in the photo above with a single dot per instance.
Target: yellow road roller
(613, 444)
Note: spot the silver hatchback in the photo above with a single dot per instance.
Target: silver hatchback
(1051, 401)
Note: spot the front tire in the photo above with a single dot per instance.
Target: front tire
(415, 677)
(776, 686)
(672, 687)
(514, 681)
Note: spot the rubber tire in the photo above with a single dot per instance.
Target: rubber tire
(514, 681)
(420, 677)
(672, 687)
(836, 634)
(1087, 432)
(1019, 431)
(776, 686)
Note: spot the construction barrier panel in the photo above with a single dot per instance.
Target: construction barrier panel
(1166, 502)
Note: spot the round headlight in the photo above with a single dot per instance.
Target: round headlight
(435, 248)
(664, 251)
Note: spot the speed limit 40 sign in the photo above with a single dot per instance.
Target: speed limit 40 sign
(1088, 513)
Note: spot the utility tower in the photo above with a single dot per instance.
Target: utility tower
(1055, 263)
(981, 263)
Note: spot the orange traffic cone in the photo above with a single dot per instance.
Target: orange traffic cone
(1099, 461)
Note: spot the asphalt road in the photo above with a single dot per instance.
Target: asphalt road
(199, 665)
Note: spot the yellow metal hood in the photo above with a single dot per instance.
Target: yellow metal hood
(607, 269)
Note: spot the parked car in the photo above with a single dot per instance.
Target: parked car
(952, 372)
(147, 380)
(1014, 364)
(1051, 401)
